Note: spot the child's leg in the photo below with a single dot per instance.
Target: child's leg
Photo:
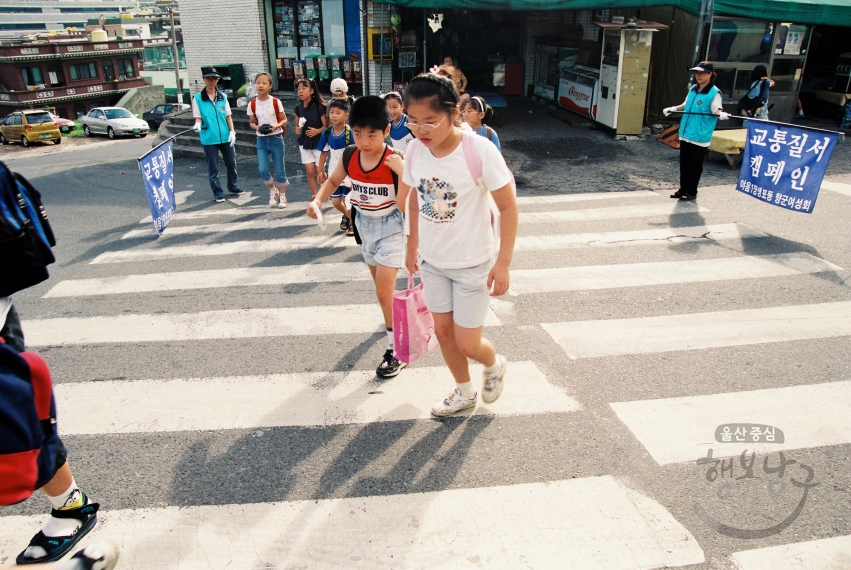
(310, 170)
(263, 168)
(337, 202)
(385, 285)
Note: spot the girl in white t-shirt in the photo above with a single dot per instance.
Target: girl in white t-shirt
(266, 116)
(399, 133)
(452, 241)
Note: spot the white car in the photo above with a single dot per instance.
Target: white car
(113, 122)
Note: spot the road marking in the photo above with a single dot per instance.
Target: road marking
(236, 277)
(217, 210)
(304, 399)
(584, 197)
(526, 281)
(182, 196)
(236, 323)
(665, 236)
(593, 522)
(299, 220)
(813, 415)
(335, 240)
(662, 236)
(824, 554)
(584, 339)
(242, 199)
(837, 187)
(613, 213)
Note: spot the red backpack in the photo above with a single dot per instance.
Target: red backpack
(279, 111)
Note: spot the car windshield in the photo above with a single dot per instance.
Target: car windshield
(118, 114)
(37, 118)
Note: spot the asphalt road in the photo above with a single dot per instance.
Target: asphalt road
(590, 470)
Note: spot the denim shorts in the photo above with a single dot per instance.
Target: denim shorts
(382, 239)
(462, 292)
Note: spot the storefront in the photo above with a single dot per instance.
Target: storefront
(318, 39)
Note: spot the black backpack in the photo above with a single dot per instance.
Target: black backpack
(26, 238)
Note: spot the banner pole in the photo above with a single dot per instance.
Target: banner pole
(841, 134)
(162, 143)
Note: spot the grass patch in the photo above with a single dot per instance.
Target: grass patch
(76, 133)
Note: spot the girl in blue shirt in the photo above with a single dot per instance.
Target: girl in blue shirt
(476, 114)
(399, 133)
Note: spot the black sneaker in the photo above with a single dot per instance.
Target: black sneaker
(236, 192)
(390, 366)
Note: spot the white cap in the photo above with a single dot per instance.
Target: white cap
(339, 85)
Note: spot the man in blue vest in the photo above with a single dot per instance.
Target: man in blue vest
(701, 111)
(213, 121)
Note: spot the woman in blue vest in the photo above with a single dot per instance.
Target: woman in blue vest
(213, 121)
(701, 111)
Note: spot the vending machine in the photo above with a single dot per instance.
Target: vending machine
(621, 93)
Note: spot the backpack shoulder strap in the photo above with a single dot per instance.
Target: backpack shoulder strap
(348, 130)
(471, 155)
(348, 153)
(253, 106)
(392, 172)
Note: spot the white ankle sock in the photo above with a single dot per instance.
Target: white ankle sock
(466, 390)
(389, 339)
(70, 499)
(496, 364)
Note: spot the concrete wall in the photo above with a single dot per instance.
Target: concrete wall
(217, 33)
(141, 99)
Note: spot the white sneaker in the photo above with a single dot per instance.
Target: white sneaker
(282, 200)
(273, 197)
(493, 383)
(453, 403)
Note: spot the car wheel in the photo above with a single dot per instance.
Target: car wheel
(25, 141)
(3, 139)
(87, 131)
(58, 141)
(110, 133)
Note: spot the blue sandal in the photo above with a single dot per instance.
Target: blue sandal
(58, 546)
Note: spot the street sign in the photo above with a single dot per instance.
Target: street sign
(158, 176)
(785, 165)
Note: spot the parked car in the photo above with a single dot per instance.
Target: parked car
(29, 127)
(113, 122)
(155, 116)
(65, 126)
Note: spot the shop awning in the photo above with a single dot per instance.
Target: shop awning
(831, 12)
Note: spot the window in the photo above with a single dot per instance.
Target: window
(126, 67)
(19, 10)
(32, 76)
(738, 40)
(55, 75)
(17, 119)
(79, 110)
(787, 74)
(61, 113)
(26, 27)
(39, 118)
(83, 71)
(108, 71)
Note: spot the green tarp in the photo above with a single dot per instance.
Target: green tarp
(831, 12)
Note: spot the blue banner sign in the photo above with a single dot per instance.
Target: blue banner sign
(784, 165)
(158, 176)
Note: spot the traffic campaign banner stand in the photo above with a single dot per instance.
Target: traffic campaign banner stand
(157, 168)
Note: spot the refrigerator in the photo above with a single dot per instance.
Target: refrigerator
(298, 28)
(578, 89)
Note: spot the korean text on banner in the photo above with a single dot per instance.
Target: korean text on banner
(158, 175)
(785, 166)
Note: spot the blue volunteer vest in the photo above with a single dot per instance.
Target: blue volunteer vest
(694, 127)
(214, 129)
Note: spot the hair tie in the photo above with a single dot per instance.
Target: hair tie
(435, 69)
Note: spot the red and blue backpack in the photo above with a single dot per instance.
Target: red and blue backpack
(28, 446)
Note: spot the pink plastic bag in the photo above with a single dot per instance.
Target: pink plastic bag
(413, 325)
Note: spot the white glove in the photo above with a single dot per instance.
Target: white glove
(723, 116)
(232, 138)
(196, 127)
(667, 111)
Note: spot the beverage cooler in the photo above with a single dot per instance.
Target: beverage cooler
(578, 89)
(624, 72)
(549, 60)
(298, 34)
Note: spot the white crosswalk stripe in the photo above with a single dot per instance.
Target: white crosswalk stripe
(825, 554)
(586, 522)
(305, 399)
(581, 523)
(585, 339)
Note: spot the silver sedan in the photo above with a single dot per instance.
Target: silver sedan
(113, 122)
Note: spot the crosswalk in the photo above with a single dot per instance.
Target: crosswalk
(600, 520)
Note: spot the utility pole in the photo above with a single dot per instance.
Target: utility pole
(175, 58)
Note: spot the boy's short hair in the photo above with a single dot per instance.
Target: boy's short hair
(339, 104)
(369, 111)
